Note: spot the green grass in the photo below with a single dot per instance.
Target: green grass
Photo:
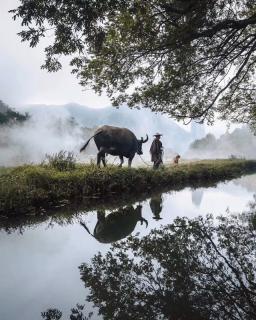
(32, 187)
(4, 170)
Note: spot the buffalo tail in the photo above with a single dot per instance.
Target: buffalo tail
(83, 148)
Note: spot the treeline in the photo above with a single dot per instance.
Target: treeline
(8, 115)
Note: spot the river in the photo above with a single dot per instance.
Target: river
(40, 261)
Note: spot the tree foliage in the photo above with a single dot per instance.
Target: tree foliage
(190, 269)
(77, 313)
(189, 59)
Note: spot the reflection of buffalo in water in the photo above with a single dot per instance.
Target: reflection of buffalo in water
(117, 225)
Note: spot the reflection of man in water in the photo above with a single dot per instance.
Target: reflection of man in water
(156, 151)
(156, 205)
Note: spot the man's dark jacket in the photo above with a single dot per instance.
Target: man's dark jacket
(156, 150)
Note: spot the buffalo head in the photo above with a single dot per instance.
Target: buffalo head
(139, 150)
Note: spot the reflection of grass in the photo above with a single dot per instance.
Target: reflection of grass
(30, 187)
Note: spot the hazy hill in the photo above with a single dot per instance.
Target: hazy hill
(51, 129)
(239, 143)
(142, 122)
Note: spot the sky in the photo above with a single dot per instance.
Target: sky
(23, 82)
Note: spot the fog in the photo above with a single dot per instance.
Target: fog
(51, 129)
(239, 143)
(54, 128)
(44, 133)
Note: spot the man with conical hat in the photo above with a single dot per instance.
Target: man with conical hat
(156, 151)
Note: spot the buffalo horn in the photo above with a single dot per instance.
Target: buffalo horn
(143, 141)
(144, 220)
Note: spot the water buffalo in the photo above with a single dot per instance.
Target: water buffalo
(116, 225)
(116, 141)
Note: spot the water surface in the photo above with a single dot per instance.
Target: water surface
(39, 263)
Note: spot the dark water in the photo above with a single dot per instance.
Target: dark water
(40, 262)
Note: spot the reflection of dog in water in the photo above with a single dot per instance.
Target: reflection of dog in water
(176, 159)
(116, 225)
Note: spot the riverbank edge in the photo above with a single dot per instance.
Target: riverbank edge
(32, 188)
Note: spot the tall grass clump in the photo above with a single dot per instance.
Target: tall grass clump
(61, 161)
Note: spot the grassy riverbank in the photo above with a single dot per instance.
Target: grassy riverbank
(31, 188)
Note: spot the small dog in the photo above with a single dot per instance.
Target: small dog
(176, 159)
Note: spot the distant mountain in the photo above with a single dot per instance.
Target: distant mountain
(141, 122)
(239, 143)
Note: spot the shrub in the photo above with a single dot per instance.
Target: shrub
(62, 161)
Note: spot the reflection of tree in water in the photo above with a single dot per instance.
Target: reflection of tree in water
(251, 214)
(191, 269)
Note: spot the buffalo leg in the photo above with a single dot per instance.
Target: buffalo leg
(101, 156)
(130, 161)
(103, 159)
(98, 160)
(101, 216)
(122, 161)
